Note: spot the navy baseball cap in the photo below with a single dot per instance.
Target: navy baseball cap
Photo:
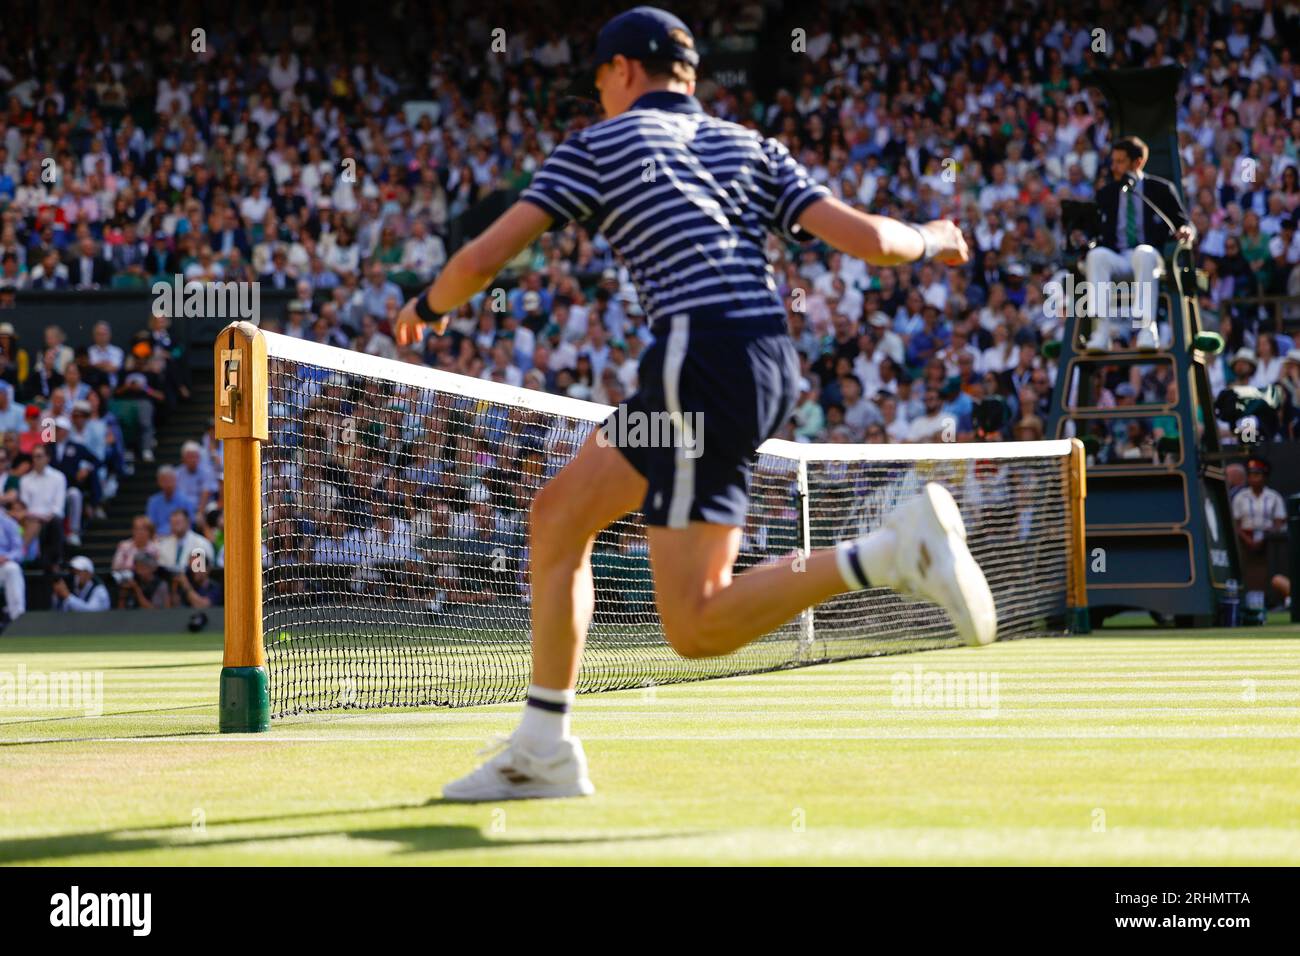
(641, 33)
(644, 33)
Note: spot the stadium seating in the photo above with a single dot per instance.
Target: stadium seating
(299, 172)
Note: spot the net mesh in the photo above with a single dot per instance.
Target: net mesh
(395, 554)
(1016, 513)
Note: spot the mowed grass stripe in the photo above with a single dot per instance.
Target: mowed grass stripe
(652, 712)
(1284, 730)
(867, 704)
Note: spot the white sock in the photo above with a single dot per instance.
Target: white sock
(546, 717)
(867, 561)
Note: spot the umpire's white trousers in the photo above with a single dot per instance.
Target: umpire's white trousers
(11, 574)
(1142, 265)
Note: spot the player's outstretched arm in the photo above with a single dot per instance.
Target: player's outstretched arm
(473, 266)
(879, 240)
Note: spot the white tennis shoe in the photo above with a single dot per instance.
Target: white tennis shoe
(932, 562)
(515, 773)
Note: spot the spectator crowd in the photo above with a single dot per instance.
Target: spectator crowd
(342, 159)
(74, 424)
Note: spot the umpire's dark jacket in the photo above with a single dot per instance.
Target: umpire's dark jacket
(1154, 232)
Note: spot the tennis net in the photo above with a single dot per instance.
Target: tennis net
(394, 563)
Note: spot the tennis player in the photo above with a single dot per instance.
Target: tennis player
(685, 200)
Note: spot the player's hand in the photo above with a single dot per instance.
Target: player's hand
(409, 329)
(1185, 234)
(952, 244)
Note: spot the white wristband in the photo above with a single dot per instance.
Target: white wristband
(931, 245)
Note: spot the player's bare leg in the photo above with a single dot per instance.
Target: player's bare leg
(921, 551)
(594, 490)
(705, 611)
(542, 758)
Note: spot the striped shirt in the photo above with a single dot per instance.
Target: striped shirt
(685, 200)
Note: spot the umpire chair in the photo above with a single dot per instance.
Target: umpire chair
(1158, 523)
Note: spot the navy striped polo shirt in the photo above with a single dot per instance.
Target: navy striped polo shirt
(685, 199)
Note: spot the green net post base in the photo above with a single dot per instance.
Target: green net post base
(1078, 620)
(245, 700)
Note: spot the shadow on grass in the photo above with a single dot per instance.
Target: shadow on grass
(205, 641)
(159, 667)
(1280, 632)
(107, 716)
(433, 838)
